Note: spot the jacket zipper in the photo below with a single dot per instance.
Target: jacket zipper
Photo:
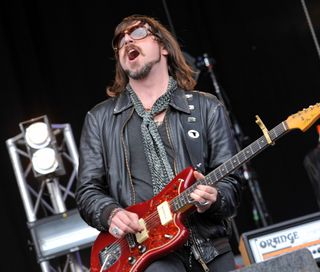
(133, 192)
(197, 256)
(195, 248)
(170, 142)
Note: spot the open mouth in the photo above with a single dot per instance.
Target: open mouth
(133, 54)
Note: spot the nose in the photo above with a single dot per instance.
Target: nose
(127, 39)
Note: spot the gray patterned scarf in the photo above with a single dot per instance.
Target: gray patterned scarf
(160, 169)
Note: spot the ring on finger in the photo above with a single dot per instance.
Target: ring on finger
(204, 203)
(116, 231)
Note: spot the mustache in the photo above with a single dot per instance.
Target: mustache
(134, 47)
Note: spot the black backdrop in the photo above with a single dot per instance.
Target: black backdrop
(56, 59)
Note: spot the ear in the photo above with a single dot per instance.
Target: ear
(164, 51)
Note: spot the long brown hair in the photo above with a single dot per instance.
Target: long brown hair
(178, 67)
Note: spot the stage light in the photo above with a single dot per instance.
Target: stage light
(44, 160)
(42, 148)
(37, 135)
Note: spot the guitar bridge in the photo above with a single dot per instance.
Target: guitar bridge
(109, 255)
(130, 240)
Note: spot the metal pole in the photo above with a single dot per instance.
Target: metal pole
(45, 266)
(55, 196)
(312, 31)
(71, 145)
(22, 185)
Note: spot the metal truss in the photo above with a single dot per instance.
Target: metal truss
(59, 234)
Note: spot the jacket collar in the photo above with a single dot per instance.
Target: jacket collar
(123, 102)
(178, 101)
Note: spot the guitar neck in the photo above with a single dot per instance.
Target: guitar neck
(244, 155)
(181, 201)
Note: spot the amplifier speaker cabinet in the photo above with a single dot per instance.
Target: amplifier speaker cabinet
(266, 243)
(300, 260)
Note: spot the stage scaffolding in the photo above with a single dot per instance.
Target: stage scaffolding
(58, 233)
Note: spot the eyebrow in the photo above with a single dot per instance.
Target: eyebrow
(134, 26)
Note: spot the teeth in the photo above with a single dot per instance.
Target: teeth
(132, 53)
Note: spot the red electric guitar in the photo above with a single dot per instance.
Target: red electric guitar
(162, 216)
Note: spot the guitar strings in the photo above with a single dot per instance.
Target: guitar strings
(151, 220)
(154, 218)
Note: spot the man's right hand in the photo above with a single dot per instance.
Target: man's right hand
(124, 222)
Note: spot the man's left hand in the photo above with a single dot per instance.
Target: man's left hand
(204, 195)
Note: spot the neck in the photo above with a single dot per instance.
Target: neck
(151, 88)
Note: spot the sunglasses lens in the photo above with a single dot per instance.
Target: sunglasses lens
(139, 33)
(120, 42)
(136, 34)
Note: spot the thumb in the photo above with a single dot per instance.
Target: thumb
(198, 175)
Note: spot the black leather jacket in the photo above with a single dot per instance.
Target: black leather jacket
(104, 176)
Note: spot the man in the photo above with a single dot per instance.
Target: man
(134, 143)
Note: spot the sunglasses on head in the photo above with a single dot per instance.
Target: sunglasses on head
(136, 33)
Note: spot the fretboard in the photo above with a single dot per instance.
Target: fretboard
(230, 165)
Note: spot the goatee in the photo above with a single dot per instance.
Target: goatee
(143, 72)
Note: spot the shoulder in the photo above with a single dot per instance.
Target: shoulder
(99, 111)
(103, 106)
(206, 99)
(112, 105)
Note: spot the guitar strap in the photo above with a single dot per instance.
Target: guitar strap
(193, 137)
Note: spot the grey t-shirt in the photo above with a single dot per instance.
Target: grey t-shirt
(140, 172)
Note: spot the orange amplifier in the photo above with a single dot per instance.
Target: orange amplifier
(265, 243)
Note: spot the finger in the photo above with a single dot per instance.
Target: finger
(207, 192)
(202, 208)
(134, 222)
(129, 222)
(197, 197)
(127, 225)
(204, 195)
(116, 231)
(206, 188)
(198, 175)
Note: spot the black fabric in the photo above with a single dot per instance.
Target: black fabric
(312, 166)
(180, 262)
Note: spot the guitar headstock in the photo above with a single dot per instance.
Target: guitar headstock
(304, 118)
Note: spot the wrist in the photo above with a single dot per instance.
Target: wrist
(112, 214)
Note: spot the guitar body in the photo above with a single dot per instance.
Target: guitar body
(162, 239)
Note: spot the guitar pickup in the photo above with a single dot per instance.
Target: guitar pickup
(142, 235)
(164, 213)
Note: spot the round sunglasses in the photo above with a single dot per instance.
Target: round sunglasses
(135, 33)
